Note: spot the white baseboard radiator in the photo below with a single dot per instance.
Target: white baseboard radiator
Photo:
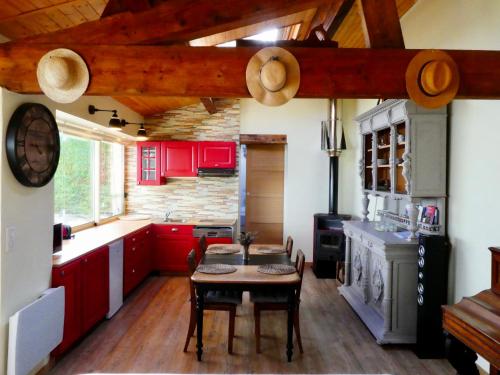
(35, 331)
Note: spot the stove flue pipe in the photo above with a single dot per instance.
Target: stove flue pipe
(333, 142)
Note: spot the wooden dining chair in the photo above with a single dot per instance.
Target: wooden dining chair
(278, 301)
(203, 245)
(214, 300)
(289, 246)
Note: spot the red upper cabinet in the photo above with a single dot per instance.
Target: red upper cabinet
(216, 155)
(179, 159)
(149, 164)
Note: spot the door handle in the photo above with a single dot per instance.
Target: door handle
(175, 229)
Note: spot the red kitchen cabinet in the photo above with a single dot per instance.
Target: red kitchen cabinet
(149, 164)
(95, 287)
(216, 240)
(216, 155)
(172, 244)
(179, 159)
(86, 294)
(136, 259)
(69, 276)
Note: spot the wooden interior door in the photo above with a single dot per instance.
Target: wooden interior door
(264, 192)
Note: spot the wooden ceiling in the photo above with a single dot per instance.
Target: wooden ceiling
(26, 18)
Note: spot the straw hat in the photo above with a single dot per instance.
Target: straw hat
(432, 78)
(273, 76)
(62, 75)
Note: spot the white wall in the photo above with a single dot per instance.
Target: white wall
(25, 271)
(306, 166)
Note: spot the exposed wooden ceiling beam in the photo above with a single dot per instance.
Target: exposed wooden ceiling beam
(220, 72)
(175, 20)
(119, 6)
(380, 21)
(338, 18)
(330, 15)
(209, 105)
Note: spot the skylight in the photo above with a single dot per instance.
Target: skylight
(265, 36)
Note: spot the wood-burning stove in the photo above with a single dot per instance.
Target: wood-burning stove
(329, 239)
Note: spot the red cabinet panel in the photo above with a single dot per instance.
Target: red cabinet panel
(95, 287)
(137, 259)
(179, 159)
(69, 276)
(149, 164)
(172, 244)
(216, 155)
(212, 240)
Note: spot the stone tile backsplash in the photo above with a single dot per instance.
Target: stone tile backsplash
(198, 197)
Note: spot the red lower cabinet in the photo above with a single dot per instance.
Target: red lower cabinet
(69, 276)
(137, 258)
(86, 293)
(95, 287)
(172, 244)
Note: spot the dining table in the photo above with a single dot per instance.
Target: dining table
(246, 278)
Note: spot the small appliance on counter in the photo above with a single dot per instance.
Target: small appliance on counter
(57, 239)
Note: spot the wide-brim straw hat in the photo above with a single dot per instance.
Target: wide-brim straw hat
(62, 75)
(273, 76)
(432, 78)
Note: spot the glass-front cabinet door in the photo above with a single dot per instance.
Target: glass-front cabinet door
(148, 163)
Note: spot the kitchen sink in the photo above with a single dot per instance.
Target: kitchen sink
(175, 220)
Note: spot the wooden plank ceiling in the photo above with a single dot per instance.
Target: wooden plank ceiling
(29, 18)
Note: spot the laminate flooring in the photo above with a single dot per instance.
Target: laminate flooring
(147, 336)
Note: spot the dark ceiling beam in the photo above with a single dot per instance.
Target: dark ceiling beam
(330, 15)
(209, 105)
(120, 6)
(220, 72)
(174, 21)
(381, 26)
(338, 18)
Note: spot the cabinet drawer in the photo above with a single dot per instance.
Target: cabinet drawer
(137, 237)
(164, 229)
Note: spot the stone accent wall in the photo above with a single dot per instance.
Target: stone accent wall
(190, 197)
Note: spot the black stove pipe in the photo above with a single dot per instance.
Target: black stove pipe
(333, 186)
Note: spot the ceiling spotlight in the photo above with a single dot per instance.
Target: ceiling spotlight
(114, 121)
(141, 132)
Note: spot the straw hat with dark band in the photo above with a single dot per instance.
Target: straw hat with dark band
(62, 75)
(273, 76)
(432, 78)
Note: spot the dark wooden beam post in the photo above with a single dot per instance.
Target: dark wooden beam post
(209, 104)
(380, 21)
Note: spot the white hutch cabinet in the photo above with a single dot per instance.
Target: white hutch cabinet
(403, 160)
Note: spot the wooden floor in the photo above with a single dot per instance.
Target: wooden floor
(147, 336)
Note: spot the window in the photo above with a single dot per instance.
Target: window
(89, 181)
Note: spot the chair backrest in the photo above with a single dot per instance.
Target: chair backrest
(203, 245)
(191, 262)
(289, 246)
(299, 265)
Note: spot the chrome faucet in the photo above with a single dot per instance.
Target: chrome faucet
(167, 214)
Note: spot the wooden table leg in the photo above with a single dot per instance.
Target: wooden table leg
(461, 357)
(199, 322)
(291, 313)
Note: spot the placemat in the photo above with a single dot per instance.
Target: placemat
(222, 250)
(216, 268)
(270, 251)
(276, 269)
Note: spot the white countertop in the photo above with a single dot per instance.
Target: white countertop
(95, 237)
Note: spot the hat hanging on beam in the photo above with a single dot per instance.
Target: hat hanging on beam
(432, 78)
(62, 75)
(273, 76)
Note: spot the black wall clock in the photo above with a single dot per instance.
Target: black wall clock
(32, 144)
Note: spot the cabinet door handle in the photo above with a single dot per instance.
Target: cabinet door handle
(147, 232)
(175, 229)
(85, 260)
(133, 271)
(133, 249)
(133, 239)
(62, 273)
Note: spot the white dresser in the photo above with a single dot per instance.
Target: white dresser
(381, 281)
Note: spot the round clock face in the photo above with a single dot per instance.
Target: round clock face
(32, 144)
